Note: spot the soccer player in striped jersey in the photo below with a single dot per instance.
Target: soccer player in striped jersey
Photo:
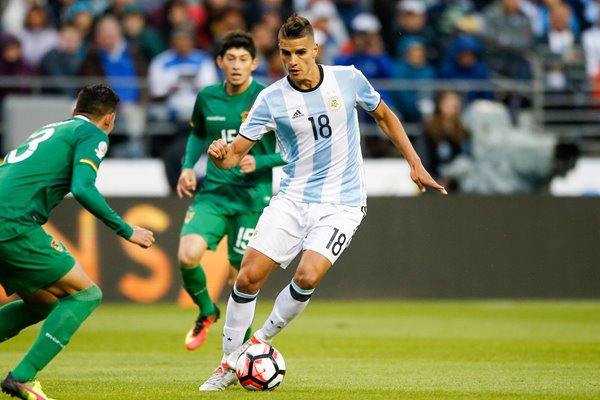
(322, 197)
(229, 202)
(57, 159)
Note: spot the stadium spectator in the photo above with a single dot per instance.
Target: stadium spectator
(413, 67)
(463, 62)
(444, 136)
(508, 37)
(12, 64)
(38, 37)
(138, 34)
(368, 55)
(560, 49)
(324, 18)
(64, 61)
(591, 45)
(266, 44)
(111, 58)
(411, 23)
(81, 14)
(176, 75)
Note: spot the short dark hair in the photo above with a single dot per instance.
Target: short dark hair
(238, 40)
(296, 27)
(96, 100)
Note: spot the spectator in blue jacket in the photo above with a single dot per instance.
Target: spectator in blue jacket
(413, 66)
(463, 62)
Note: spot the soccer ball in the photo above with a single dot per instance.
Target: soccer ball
(260, 367)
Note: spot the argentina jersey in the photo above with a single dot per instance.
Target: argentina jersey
(318, 135)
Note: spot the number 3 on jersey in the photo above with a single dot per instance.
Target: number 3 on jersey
(33, 142)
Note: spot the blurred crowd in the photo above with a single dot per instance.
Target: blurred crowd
(158, 54)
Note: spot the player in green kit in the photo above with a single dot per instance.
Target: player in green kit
(228, 202)
(56, 159)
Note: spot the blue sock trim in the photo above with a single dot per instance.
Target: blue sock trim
(240, 297)
(300, 294)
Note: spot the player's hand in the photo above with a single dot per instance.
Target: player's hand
(248, 164)
(218, 149)
(186, 183)
(142, 237)
(421, 177)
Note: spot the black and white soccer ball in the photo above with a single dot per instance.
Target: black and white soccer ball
(260, 367)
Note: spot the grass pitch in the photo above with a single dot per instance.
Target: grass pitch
(342, 351)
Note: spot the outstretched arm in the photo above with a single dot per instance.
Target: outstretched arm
(226, 156)
(391, 126)
(84, 190)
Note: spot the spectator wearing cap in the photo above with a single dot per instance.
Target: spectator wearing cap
(81, 14)
(324, 18)
(411, 23)
(366, 51)
(463, 63)
(368, 54)
(138, 34)
(413, 66)
(177, 74)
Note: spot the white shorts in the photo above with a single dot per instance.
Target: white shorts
(286, 227)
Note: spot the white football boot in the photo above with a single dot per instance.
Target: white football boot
(221, 379)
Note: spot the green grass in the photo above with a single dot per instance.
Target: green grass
(343, 351)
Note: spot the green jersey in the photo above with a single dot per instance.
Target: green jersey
(56, 159)
(218, 115)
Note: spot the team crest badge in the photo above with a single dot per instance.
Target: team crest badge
(101, 150)
(58, 246)
(189, 216)
(244, 115)
(334, 103)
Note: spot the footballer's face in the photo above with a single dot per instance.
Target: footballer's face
(237, 65)
(299, 59)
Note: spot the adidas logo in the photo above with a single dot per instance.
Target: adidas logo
(297, 114)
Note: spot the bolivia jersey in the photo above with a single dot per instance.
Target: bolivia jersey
(37, 175)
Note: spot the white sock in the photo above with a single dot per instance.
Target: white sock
(290, 302)
(239, 316)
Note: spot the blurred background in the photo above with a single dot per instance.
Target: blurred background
(501, 99)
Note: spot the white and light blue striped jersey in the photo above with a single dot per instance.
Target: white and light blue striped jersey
(318, 134)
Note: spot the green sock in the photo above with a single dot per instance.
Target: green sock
(60, 325)
(18, 315)
(194, 282)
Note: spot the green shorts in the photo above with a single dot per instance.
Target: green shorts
(212, 222)
(32, 261)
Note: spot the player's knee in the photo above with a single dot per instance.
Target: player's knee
(188, 258)
(246, 284)
(306, 280)
(94, 295)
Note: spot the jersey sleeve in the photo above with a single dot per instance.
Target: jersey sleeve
(193, 150)
(259, 120)
(90, 149)
(366, 96)
(197, 122)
